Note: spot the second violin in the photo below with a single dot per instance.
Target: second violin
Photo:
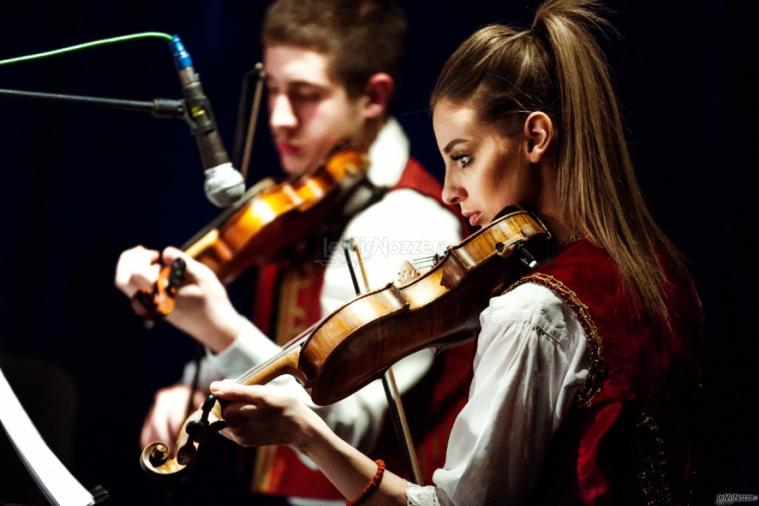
(267, 220)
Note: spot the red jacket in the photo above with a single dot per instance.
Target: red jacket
(633, 432)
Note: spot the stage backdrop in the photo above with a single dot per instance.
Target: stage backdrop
(82, 184)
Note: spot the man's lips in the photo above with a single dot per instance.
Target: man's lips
(287, 148)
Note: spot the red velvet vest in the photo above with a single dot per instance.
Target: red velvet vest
(631, 427)
(431, 406)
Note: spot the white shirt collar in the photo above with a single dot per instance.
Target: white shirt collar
(388, 154)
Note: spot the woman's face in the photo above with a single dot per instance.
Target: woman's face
(485, 170)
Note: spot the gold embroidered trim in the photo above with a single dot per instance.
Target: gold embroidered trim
(651, 463)
(597, 372)
(262, 467)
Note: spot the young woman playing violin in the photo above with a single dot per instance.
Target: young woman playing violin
(585, 367)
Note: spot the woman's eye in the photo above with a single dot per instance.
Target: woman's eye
(462, 160)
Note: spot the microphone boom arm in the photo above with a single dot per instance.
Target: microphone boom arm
(158, 107)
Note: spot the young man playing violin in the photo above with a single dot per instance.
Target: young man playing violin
(331, 67)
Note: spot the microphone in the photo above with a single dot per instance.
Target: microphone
(223, 184)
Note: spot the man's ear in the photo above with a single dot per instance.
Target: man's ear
(538, 135)
(379, 89)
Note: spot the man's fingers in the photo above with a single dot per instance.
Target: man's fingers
(196, 272)
(136, 269)
(170, 253)
(166, 416)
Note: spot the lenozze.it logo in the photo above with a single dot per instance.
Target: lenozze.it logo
(383, 247)
(725, 499)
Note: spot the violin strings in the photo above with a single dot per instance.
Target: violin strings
(425, 262)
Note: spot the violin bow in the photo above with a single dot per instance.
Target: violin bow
(250, 134)
(388, 378)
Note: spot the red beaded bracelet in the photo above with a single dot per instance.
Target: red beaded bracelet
(371, 486)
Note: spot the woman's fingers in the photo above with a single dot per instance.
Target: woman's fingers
(232, 391)
(259, 414)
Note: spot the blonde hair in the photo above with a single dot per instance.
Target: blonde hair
(557, 67)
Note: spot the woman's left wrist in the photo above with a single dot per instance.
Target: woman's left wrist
(310, 433)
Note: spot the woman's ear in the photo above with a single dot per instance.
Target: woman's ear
(538, 136)
(379, 89)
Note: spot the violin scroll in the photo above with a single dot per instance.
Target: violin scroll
(156, 457)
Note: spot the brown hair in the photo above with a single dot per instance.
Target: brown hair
(557, 67)
(361, 37)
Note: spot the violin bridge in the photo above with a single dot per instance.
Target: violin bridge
(406, 273)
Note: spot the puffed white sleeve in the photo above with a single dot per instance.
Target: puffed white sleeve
(528, 369)
(250, 348)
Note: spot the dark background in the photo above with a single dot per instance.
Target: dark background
(79, 185)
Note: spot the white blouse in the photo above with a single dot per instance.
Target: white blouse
(527, 370)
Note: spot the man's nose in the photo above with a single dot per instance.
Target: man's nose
(281, 113)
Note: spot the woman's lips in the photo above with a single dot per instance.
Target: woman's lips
(473, 217)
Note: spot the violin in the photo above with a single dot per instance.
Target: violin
(358, 342)
(266, 221)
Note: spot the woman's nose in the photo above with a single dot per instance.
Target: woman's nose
(453, 193)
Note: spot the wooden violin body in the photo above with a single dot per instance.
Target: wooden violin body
(276, 217)
(359, 341)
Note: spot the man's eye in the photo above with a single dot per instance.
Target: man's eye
(306, 96)
(462, 160)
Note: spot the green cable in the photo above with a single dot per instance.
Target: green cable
(86, 45)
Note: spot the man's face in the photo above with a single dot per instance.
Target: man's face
(309, 113)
